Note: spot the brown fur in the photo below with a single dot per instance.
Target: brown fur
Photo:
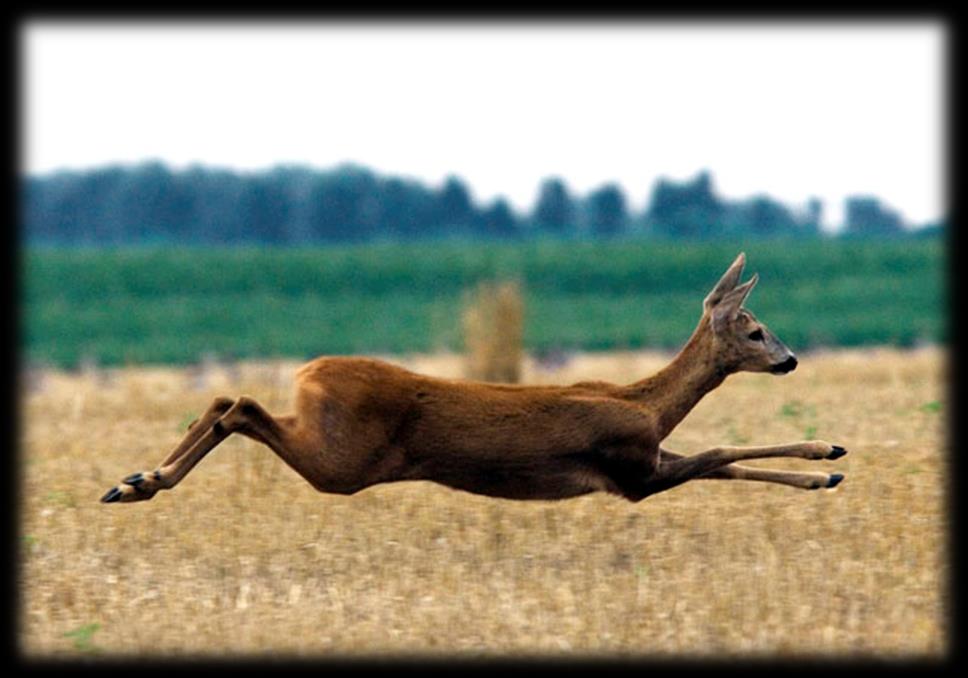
(360, 421)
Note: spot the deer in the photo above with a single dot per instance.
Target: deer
(360, 421)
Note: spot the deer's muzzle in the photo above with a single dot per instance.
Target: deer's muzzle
(787, 365)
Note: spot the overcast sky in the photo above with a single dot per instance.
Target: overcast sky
(791, 110)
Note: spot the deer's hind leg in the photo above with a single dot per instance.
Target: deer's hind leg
(223, 417)
(197, 428)
(802, 480)
(134, 487)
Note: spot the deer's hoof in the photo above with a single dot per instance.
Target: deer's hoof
(136, 487)
(112, 495)
(837, 452)
(835, 479)
(146, 482)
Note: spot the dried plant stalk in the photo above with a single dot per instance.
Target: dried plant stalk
(493, 323)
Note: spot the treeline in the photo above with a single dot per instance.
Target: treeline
(287, 205)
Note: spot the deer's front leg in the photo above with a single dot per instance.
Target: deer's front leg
(681, 470)
(805, 481)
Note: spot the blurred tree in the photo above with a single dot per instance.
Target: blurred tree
(344, 205)
(554, 210)
(498, 220)
(864, 215)
(264, 208)
(687, 209)
(101, 215)
(607, 214)
(47, 208)
(216, 204)
(455, 211)
(141, 204)
(36, 222)
(931, 229)
(297, 185)
(766, 217)
(812, 225)
(406, 209)
(292, 204)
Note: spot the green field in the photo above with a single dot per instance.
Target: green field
(172, 305)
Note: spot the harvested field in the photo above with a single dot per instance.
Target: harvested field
(245, 559)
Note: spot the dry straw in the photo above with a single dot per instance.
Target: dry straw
(493, 323)
(245, 559)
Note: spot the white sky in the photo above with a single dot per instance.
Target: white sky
(792, 110)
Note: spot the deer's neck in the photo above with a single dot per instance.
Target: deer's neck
(673, 391)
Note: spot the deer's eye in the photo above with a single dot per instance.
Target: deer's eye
(756, 335)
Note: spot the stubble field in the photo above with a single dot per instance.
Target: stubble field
(245, 559)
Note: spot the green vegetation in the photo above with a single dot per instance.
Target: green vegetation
(138, 305)
(83, 636)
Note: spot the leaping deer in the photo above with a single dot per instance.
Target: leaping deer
(361, 421)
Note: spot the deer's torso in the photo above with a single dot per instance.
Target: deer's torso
(504, 440)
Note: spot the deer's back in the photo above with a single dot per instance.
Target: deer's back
(432, 417)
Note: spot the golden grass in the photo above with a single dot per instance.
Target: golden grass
(245, 558)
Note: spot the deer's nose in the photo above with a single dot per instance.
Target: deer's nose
(787, 365)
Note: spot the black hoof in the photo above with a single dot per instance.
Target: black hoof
(114, 494)
(134, 479)
(835, 479)
(837, 453)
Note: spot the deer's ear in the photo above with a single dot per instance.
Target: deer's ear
(726, 284)
(728, 307)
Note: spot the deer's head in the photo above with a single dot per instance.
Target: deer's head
(742, 343)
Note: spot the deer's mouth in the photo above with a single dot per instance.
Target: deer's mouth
(787, 365)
